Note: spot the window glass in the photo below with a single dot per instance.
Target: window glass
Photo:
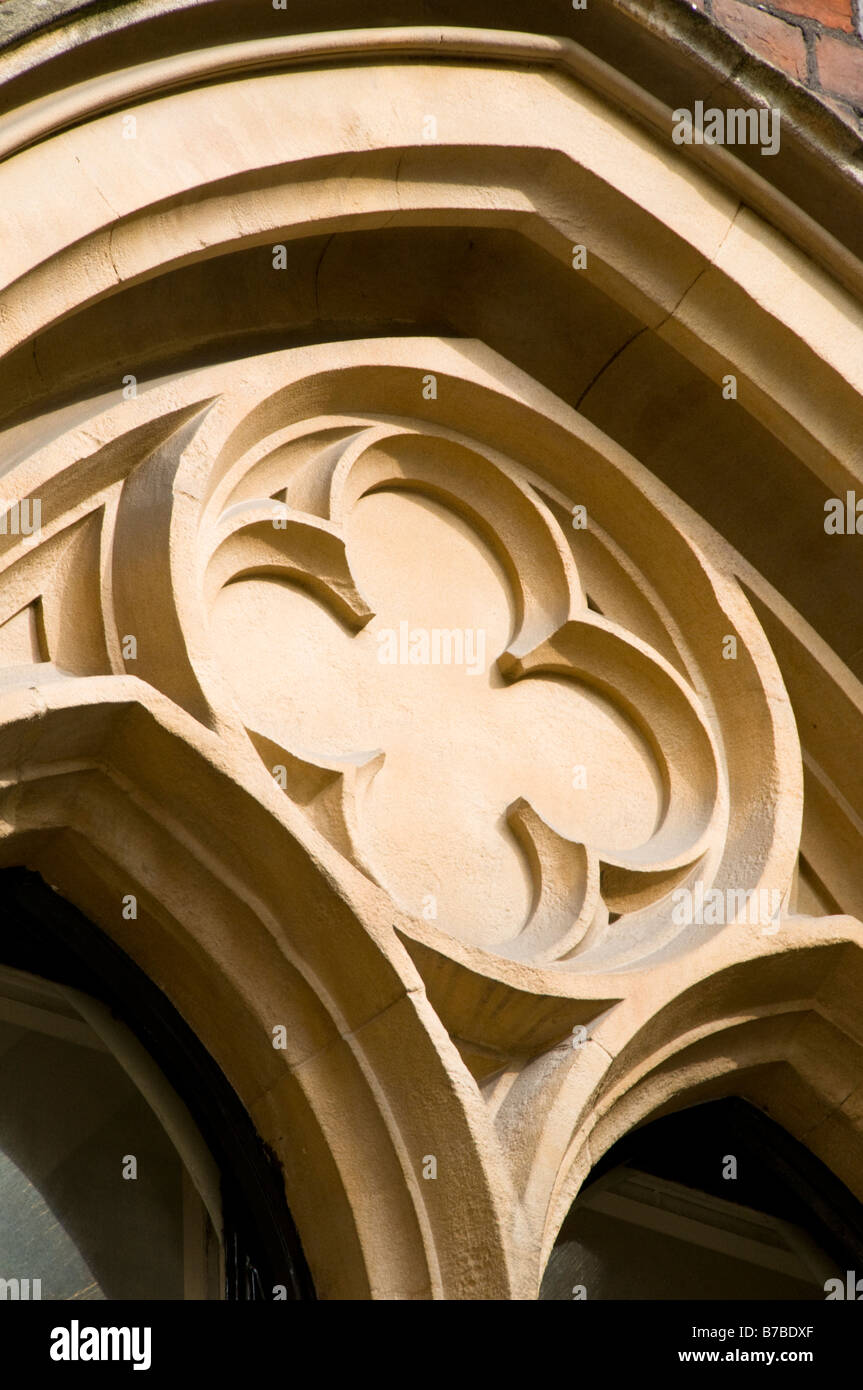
(96, 1201)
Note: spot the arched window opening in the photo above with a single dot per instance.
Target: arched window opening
(96, 1199)
(128, 1167)
(713, 1202)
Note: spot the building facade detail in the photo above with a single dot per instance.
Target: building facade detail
(388, 635)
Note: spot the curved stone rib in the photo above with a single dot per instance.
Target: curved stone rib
(508, 513)
(653, 695)
(154, 536)
(265, 537)
(331, 790)
(296, 460)
(566, 889)
(630, 890)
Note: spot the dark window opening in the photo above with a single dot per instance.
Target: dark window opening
(714, 1202)
(64, 988)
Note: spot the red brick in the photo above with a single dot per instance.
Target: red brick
(840, 68)
(778, 43)
(833, 14)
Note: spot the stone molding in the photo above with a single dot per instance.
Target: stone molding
(213, 511)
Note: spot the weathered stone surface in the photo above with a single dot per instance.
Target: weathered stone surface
(455, 667)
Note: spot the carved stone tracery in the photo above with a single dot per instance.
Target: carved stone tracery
(319, 539)
(263, 529)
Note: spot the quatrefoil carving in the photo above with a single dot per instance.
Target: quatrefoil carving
(517, 802)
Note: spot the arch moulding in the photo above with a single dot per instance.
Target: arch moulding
(329, 471)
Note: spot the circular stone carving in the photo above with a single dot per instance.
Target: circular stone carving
(450, 663)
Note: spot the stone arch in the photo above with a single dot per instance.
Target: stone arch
(781, 1032)
(205, 934)
(405, 256)
(714, 1199)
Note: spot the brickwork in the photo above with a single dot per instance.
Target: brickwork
(817, 42)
